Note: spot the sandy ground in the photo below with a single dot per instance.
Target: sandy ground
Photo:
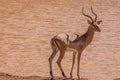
(4, 76)
(26, 27)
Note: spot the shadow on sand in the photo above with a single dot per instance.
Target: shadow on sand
(5, 76)
(117, 79)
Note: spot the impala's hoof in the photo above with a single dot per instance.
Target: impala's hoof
(78, 78)
(71, 76)
(52, 78)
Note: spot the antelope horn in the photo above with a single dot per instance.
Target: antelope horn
(94, 14)
(86, 15)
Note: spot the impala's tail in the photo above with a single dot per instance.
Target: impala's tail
(59, 40)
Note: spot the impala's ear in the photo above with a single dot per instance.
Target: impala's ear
(98, 22)
(89, 22)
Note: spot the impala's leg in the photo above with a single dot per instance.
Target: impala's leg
(59, 62)
(79, 55)
(74, 54)
(50, 62)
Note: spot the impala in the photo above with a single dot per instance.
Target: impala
(62, 44)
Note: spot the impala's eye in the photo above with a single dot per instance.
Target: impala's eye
(98, 22)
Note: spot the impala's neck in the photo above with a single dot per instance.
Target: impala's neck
(89, 34)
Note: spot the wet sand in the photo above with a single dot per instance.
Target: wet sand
(26, 27)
